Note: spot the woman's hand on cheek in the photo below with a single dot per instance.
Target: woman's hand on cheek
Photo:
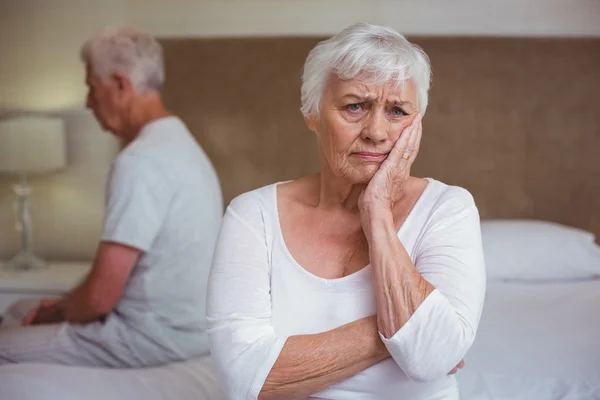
(386, 186)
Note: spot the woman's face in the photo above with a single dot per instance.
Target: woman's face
(359, 123)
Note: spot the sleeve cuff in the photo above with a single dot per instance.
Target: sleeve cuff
(269, 361)
(406, 341)
(127, 240)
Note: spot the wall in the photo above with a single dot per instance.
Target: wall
(40, 70)
(39, 67)
(515, 121)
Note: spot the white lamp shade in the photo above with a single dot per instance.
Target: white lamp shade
(32, 145)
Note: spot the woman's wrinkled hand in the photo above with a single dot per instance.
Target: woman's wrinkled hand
(385, 188)
(460, 365)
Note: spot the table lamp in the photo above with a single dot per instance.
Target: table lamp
(29, 145)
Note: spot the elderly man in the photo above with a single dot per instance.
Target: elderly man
(142, 304)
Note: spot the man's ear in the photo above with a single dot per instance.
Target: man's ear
(122, 82)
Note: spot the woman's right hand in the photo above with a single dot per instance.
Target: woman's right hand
(460, 365)
(386, 186)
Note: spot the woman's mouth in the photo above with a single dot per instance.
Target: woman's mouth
(370, 156)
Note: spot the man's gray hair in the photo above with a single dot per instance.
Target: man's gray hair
(128, 51)
(372, 53)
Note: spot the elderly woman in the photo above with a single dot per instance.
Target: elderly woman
(360, 282)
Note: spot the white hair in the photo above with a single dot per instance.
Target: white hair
(374, 53)
(128, 51)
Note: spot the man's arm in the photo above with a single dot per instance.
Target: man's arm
(100, 292)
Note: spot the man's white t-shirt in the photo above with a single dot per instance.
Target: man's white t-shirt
(259, 295)
(164, 198)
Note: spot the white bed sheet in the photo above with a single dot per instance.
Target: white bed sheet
(536, 341)
(190, 380)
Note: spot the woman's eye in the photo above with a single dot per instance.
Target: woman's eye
(397, 111)
(354, 107)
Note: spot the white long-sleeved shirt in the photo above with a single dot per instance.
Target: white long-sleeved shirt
(258, 296)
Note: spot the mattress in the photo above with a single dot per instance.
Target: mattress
(536, 341)
(193, 380)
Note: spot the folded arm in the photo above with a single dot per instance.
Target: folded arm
(428, 311)
(308, 364)
(252, 360)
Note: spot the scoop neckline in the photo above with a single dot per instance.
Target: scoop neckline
(353, 276)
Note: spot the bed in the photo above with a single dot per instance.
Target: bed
(536, 341)
(538, 337)
(193, 379)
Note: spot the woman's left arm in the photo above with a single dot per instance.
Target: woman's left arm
(428, 311)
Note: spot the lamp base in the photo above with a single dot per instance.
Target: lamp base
(25, 261)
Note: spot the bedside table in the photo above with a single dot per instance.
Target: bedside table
(52, 281)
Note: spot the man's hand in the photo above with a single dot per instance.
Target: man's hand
(47, 311)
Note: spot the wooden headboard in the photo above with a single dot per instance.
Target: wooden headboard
(515, 121)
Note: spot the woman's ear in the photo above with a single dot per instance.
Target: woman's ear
(311, 122)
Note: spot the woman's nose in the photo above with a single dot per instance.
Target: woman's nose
(377, 127)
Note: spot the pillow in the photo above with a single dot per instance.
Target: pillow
(530, 250)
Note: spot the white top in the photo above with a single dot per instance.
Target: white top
(164, 198)
(259, 295)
